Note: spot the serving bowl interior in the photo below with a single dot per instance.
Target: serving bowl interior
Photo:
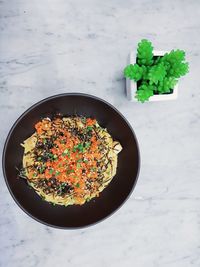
(110, 199)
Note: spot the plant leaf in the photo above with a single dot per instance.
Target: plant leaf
(165, 85)
(174, 63)
(144, 92)
(156, 73)
(145, 53)
(133, 72)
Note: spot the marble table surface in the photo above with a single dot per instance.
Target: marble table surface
(55, 46)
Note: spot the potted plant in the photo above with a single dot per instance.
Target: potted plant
(153, 75)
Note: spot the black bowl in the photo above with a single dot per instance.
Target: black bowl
(110, 199)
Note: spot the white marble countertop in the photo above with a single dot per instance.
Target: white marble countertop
(54, 46)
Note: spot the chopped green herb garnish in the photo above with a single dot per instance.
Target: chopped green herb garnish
(50, 155)
(41, 169)
(81, 147)
(78, 147)
(77, 185)
(87, 144)
(62, 186)
(39, 158)
(83, 119)
(57, 173)
(51, 171)
(78, 165)
(89, 128)
(66, 152)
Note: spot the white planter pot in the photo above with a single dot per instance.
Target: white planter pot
(131, 86)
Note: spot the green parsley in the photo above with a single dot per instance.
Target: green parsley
(87, 144)
(41, 169)
(50, 155)
(62, 186)
(79, 148)
(83, 119)
(44, 141)
(51, 171)
(66, 152)
(89, 128)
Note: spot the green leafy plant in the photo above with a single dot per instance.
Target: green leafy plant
(155, 74)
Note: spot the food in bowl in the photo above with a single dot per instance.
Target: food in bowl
(69, 160)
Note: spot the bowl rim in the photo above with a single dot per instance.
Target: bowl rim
(24, 114)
